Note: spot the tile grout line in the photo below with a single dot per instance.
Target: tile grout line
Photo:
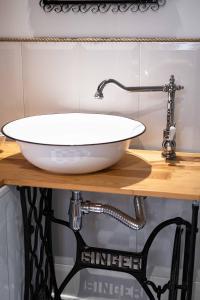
(8, 270)
(79, 61)
(22, 78)
(139, 79)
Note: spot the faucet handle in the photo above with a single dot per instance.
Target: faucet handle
(172, 132)
(171, 86)
(179, 87)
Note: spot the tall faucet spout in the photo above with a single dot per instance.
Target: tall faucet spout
(101, 86)
(169, 142)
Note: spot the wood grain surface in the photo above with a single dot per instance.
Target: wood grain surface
(140, 172)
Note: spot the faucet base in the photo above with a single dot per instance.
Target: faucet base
(169, 155)
(169, 148)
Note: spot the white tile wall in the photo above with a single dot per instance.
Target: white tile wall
(25, 18)
(63, 77)
(15, 244)
(50, 77)
(11, 246)
(100, 61)
(157, 211)
(158, 61)
(4, 276)
(11, 96)
(102, 231)
(45, 78)
(97, 284)
(106, 232)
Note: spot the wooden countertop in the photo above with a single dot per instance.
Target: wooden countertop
(140, 172)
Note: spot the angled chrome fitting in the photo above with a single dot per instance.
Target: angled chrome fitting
(75, 213)
(78, 207)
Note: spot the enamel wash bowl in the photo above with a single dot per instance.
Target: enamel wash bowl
(73, 143)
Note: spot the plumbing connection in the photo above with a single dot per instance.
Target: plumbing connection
(78, 208)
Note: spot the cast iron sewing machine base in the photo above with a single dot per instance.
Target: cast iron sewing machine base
(40, 277)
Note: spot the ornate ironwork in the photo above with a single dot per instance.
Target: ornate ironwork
(40, 278)
(98, 6)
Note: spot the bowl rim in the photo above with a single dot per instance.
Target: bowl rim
(72, 145)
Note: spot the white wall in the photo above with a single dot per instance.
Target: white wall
(179, 18)
(11, 245)
(40, 78)
(104, 232)
(61, 77)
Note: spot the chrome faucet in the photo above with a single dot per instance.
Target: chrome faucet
(101, 86)
(169, 133)
(169, 143)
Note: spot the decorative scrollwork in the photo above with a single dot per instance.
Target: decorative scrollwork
(40, 277)
(98, 7)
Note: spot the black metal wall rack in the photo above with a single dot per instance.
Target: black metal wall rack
(100, 6)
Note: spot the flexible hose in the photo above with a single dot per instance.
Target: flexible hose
(136, 223)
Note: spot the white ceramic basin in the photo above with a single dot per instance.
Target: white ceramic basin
(73, 143)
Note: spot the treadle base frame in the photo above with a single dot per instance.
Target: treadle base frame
(40, 278)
